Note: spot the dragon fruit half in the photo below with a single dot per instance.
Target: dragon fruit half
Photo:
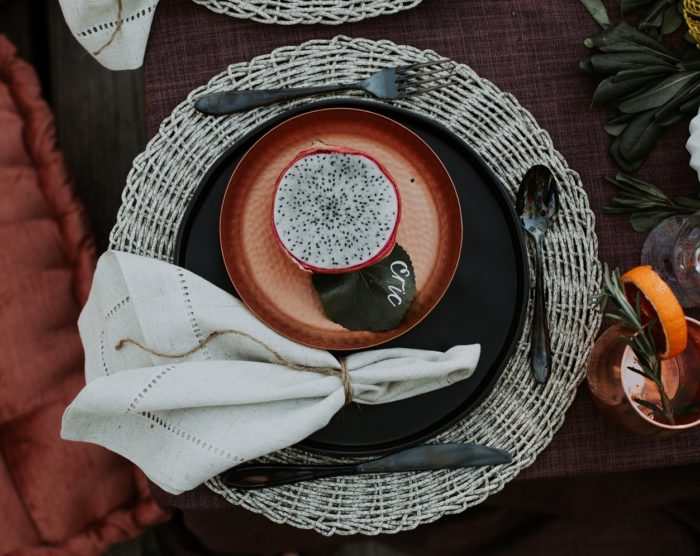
(335, 210)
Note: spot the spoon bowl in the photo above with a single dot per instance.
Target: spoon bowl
(537, 202)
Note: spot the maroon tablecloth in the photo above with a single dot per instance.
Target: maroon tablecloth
(530, 48)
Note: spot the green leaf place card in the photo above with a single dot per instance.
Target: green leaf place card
(374, 298)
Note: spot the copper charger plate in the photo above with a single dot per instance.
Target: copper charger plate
(275, 289)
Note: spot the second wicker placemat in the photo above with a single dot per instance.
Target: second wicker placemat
(519, 415)
(292, 12)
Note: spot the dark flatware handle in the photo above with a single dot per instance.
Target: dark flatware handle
(262, 476)
(419, 458)
(436, 456)
(540, 349)
(228, 102)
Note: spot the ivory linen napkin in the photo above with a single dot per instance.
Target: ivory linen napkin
(242, 395)
(114, 32)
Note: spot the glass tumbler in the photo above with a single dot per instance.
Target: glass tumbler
(673, 250)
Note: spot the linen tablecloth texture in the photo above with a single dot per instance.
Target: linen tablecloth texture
(183, 420)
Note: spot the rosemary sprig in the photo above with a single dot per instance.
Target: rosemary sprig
(645, 203)
(639, 338)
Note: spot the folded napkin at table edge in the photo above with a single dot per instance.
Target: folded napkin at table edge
(116, 36)
(183, 420)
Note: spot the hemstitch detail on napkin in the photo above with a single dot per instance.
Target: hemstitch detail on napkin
(111, 24)
(196, 329)
(174, 429)
(116, 308)
(137, 400)
(105, 367)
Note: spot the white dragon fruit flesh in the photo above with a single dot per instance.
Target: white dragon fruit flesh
(335, 210)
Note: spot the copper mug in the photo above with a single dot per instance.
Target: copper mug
(614, 386)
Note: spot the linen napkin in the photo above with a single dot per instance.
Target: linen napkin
(183, 420)
(114, 32)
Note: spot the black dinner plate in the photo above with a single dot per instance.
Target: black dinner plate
(485, 303)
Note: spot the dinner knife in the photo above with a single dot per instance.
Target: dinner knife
(428, 457)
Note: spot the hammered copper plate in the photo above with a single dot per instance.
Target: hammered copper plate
(275, 289)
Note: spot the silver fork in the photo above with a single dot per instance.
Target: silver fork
(389, 84)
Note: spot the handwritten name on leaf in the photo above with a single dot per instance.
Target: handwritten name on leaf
(374, 298)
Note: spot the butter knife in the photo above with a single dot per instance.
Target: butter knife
(428, 457)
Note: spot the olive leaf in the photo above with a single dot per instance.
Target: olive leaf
(625, 38)
(609, 63)
(598, 11)
(644, 222)
(622, 163)
(684, 102)
(615, 126)
(632, 46)
(374, 298)
(663, 18)
(639, 137)
(655, 17)
(688, 202)
(672, 20)
(651, 72)
(612, 89)
(689, 65)
(690, 106)
(659, 94)
(640, 189)
(646, 204)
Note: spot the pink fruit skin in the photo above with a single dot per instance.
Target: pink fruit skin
(384, 252)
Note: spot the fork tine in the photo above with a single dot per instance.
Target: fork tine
(405, 94)
(410, 67)
(439, 80)
(413, 77)
(417, 84)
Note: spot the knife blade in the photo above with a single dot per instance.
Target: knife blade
(427, 457)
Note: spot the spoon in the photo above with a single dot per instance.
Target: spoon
(537, 203)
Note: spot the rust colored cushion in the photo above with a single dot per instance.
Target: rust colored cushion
(56, 497)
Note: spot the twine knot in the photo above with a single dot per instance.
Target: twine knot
(115, 31)
(345, 378)
(341, 373)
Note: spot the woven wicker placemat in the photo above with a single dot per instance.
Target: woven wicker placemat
(519, 415)
(291, 12)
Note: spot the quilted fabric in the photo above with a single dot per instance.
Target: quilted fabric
(56, 497)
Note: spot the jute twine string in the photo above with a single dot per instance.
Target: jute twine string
(518, 415)
(115, 31)
(341, 373)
